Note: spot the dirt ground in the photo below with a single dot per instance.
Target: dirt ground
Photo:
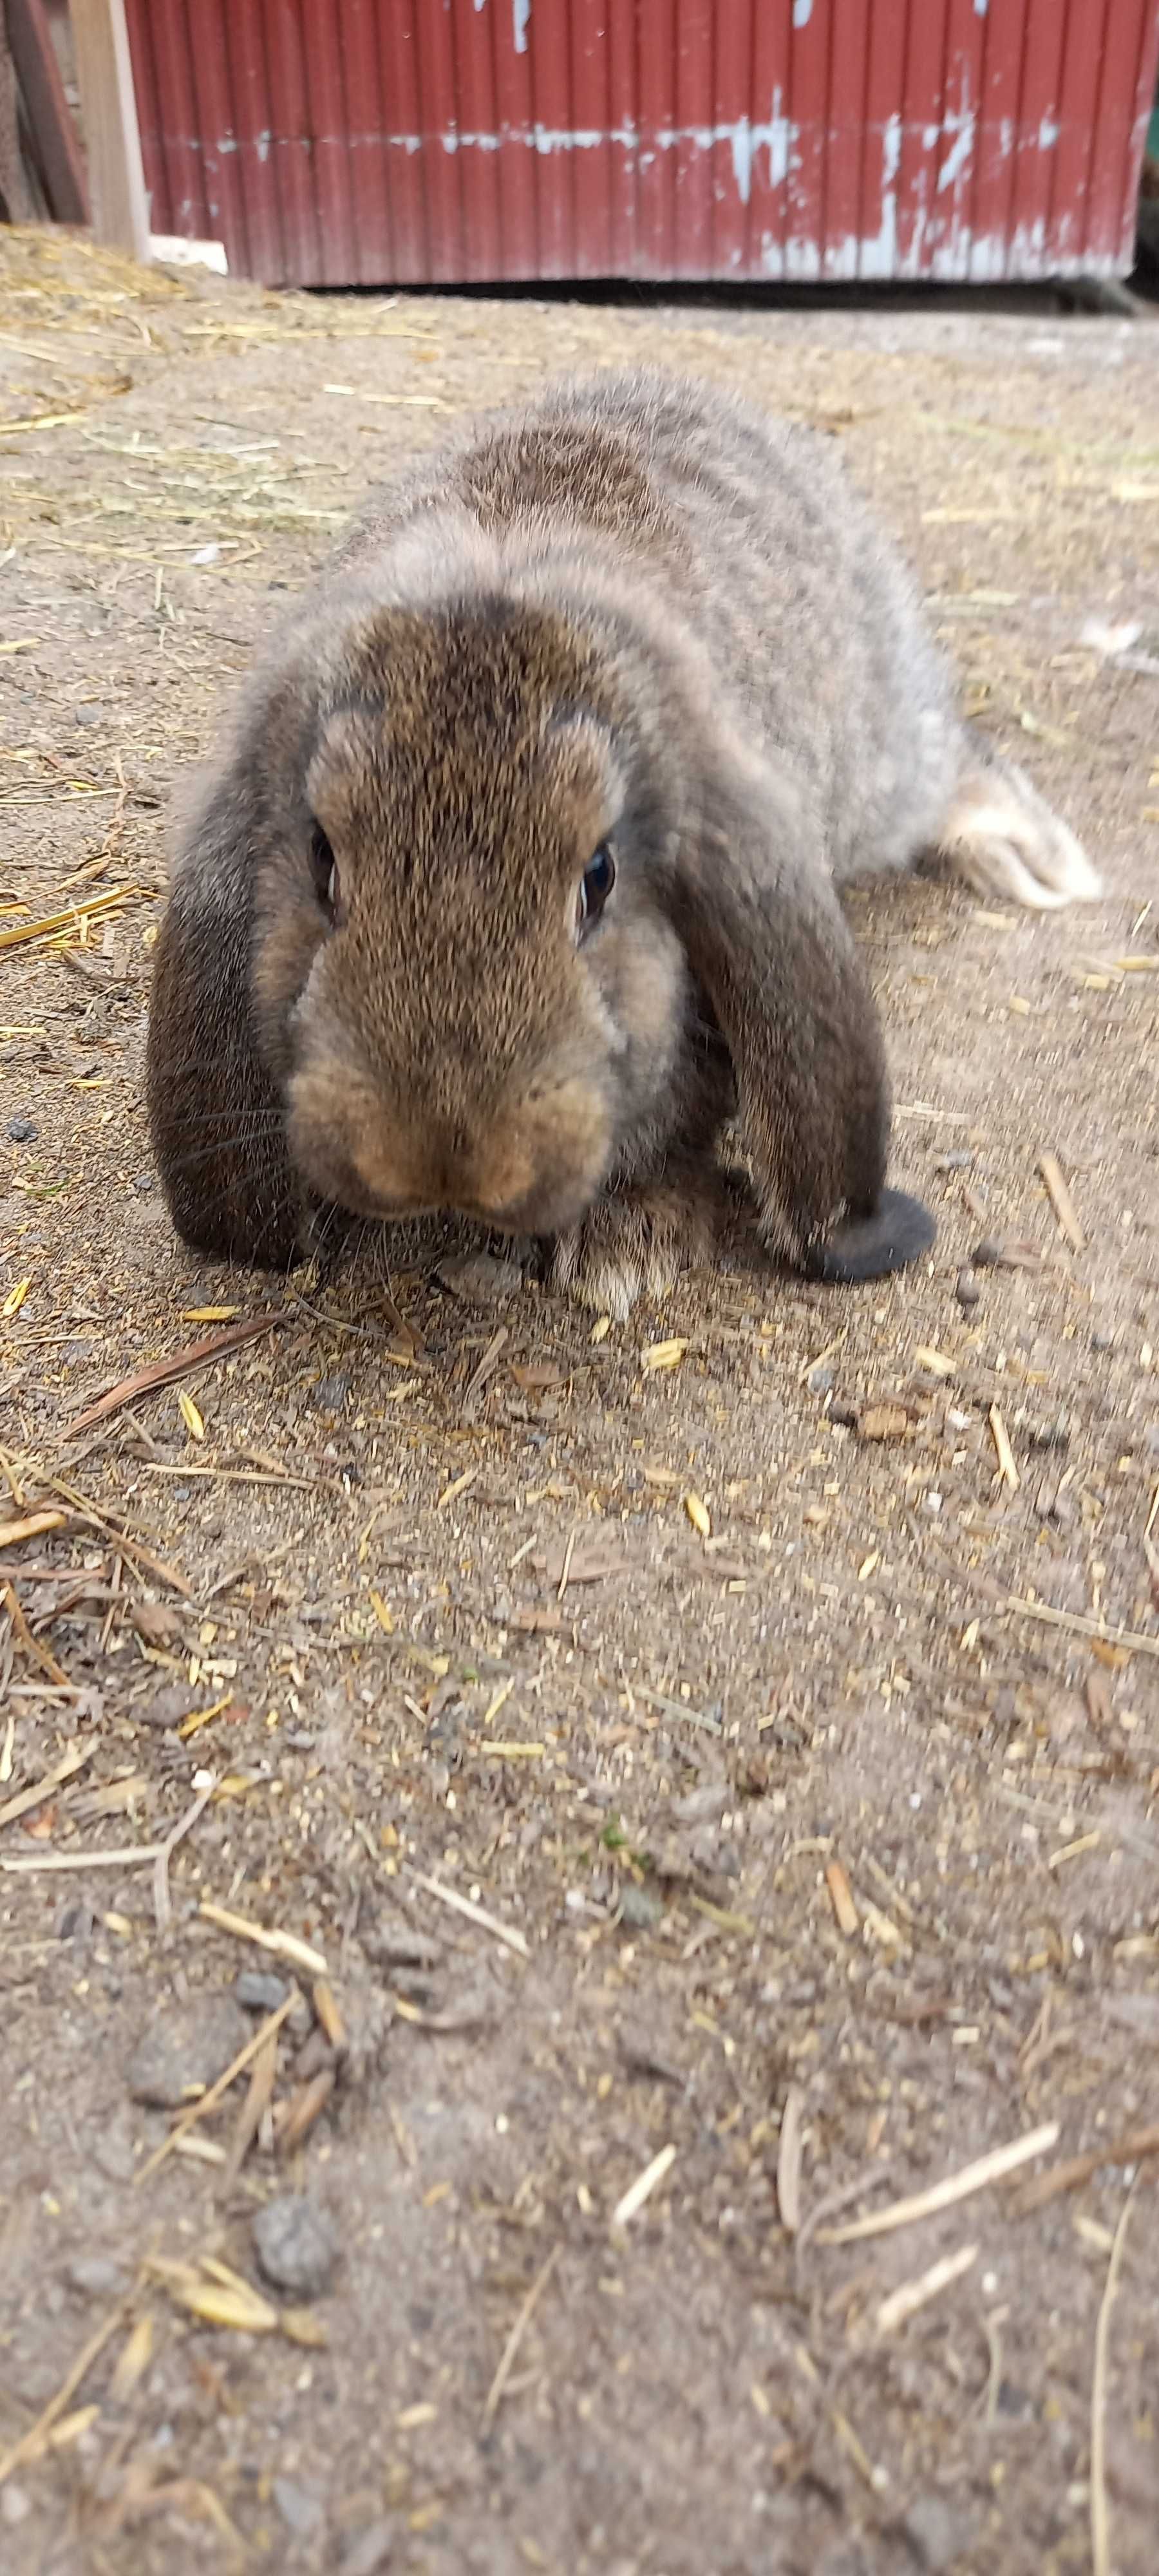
(804, 1779)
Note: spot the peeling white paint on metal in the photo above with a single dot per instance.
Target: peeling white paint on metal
(550, 138)
(853, 256)
(802, 262)
(938, 241)
(802, 12)
(963, 128)
(777, 136)
(841, 259)
(958, 257)
(520, 22)
(877, 252)
(890, 148)
(981, 7)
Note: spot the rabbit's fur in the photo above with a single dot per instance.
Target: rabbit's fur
(639, 615)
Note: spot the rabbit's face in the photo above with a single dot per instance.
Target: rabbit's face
(473, 998)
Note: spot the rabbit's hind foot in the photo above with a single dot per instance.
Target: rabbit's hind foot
(1004, 838)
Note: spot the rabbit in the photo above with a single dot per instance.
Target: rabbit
(520, 875)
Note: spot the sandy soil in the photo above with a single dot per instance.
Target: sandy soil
(810, 1850)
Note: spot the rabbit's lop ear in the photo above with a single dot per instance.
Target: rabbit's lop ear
(773, 955)
(215, 1116)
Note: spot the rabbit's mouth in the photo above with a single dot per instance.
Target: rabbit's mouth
(532, 1172)
(538, 1217)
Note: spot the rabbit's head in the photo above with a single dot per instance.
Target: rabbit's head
(487, 906)
(468, 987)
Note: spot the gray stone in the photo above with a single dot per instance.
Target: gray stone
(168, 1707)
(112, 2148)
(296, 2245)
(185, 2048)
(1050, 1435)
(97, 2276)
(301, 2508)
(259, 1991)
(367, 2552)
(640, 1907)
(392, 1944)
(23, 1131)
(936, 2536)
(480, 1279)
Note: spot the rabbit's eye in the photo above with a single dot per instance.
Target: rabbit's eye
(595, 886)
(324, 869)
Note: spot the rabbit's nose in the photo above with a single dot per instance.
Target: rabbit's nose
(492, 1182)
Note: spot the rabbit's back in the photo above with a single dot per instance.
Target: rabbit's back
(753, 535)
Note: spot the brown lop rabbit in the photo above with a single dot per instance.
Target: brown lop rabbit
(521, 873)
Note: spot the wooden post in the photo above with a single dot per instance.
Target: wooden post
(104, 74)
(55, 150)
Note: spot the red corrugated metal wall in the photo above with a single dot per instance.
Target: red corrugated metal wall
(344, 142)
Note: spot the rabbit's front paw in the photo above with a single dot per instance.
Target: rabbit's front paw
(635, 1243)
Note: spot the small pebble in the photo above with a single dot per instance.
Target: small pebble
(167, 1707)
(15, 2507)
(640, 1907)
(22, 1130)
(296, 2245)
(112, 2148)
(1102, 1341)
(966, 1288)
(937, 2536)
(301, 2508)
(392, 1944)
(97, 2276)
(143, 1181)
(987, 1255)
(481, 1279)
(702, 1806)
(259, 1991)
(1050, 1435)
(958, 1159)
(88, 715)
(367, 2552)
(186, 2046)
